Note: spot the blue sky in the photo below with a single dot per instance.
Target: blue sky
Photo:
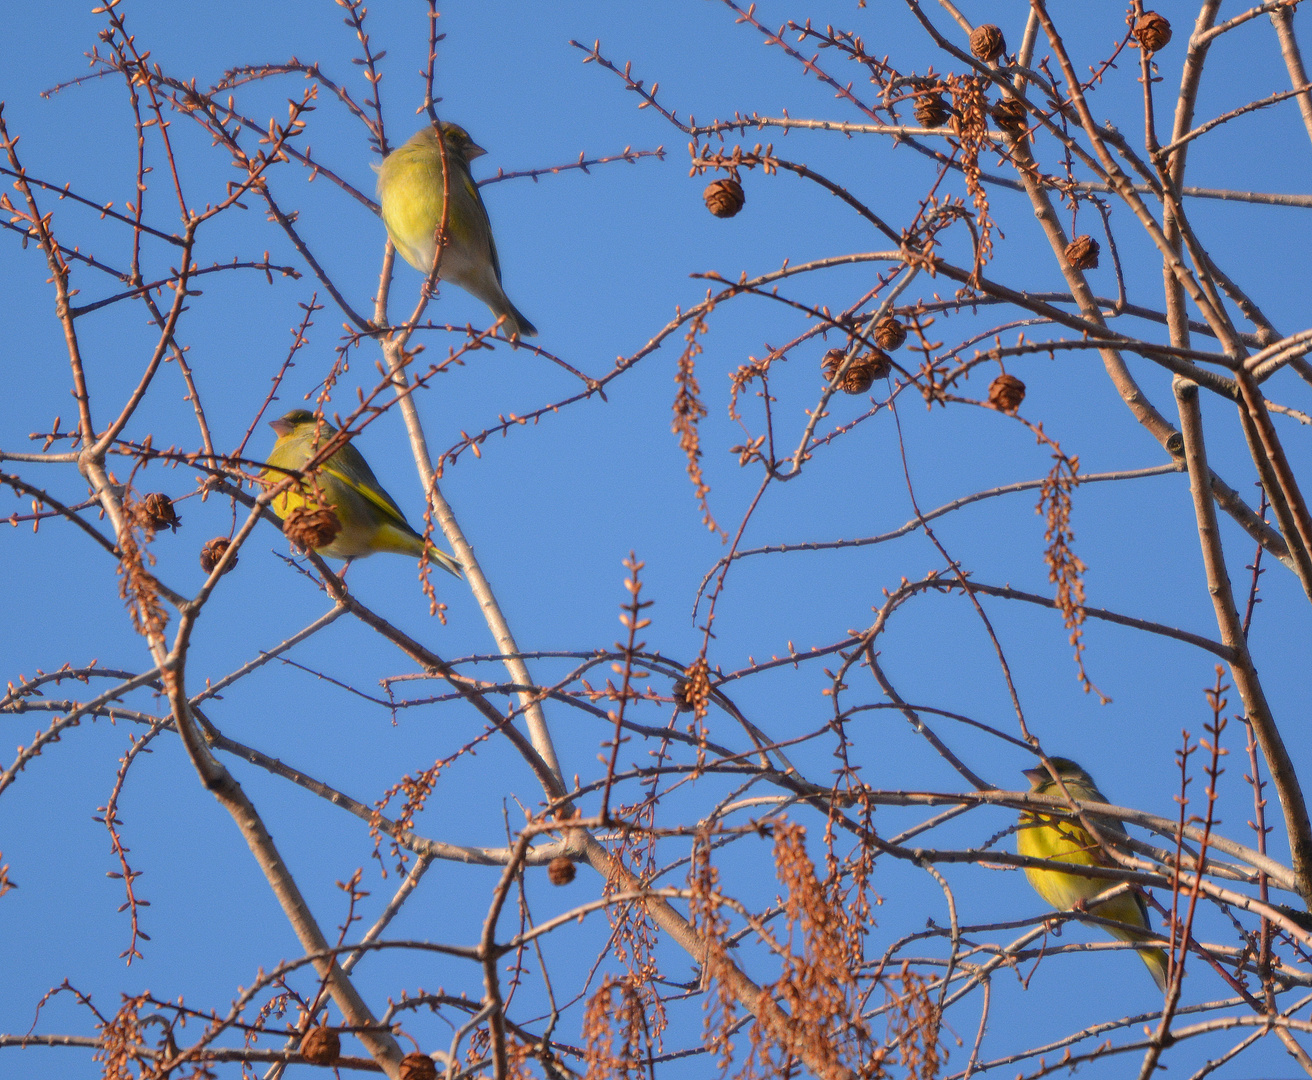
(600, 262)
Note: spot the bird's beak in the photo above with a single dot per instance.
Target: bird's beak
(281, 427)
(473, 150)
(1036, 776)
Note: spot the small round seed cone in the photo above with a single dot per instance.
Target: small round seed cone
(724, 197)
(418, 1067)
(876, 363)
(1152, 32)
(1009, 116)
(560, 871)
(931, 110)
(212, 552)
(321, 1046)
(890, 334)
(309, 529)
(987, 42)
(156, 512)
(1082, 253)
(864, 369)
(1006, 392)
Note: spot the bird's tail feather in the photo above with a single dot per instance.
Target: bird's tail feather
(442, 559)
(519, 324)
(1156, 962)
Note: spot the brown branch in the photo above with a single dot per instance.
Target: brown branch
(1242, 670)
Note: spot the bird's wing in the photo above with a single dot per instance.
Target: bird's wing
(350, 467)
(1111, 826)
(471, 189)
(1143, 908)
(1089, 793)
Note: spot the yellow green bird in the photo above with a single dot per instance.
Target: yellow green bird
(369, 517)
(410, 191)
(1044, 836)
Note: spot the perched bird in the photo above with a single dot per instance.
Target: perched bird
(410, 190)
(368, 517)
(1043, 836)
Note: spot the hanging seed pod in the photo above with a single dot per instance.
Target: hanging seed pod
(987, 42)
(864, 369)
(724, 197)
(156, 511)
(890, 334)
(321, 1046)
(1006, 392)
(931, 110)
(309, 529)
(560, 871)
(1082, 253)
(1152, 31)
(1009, 116)
(418, 1067)
(212, 552)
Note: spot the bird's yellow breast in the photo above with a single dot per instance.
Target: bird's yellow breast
(1044, 837)
(410, 191)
